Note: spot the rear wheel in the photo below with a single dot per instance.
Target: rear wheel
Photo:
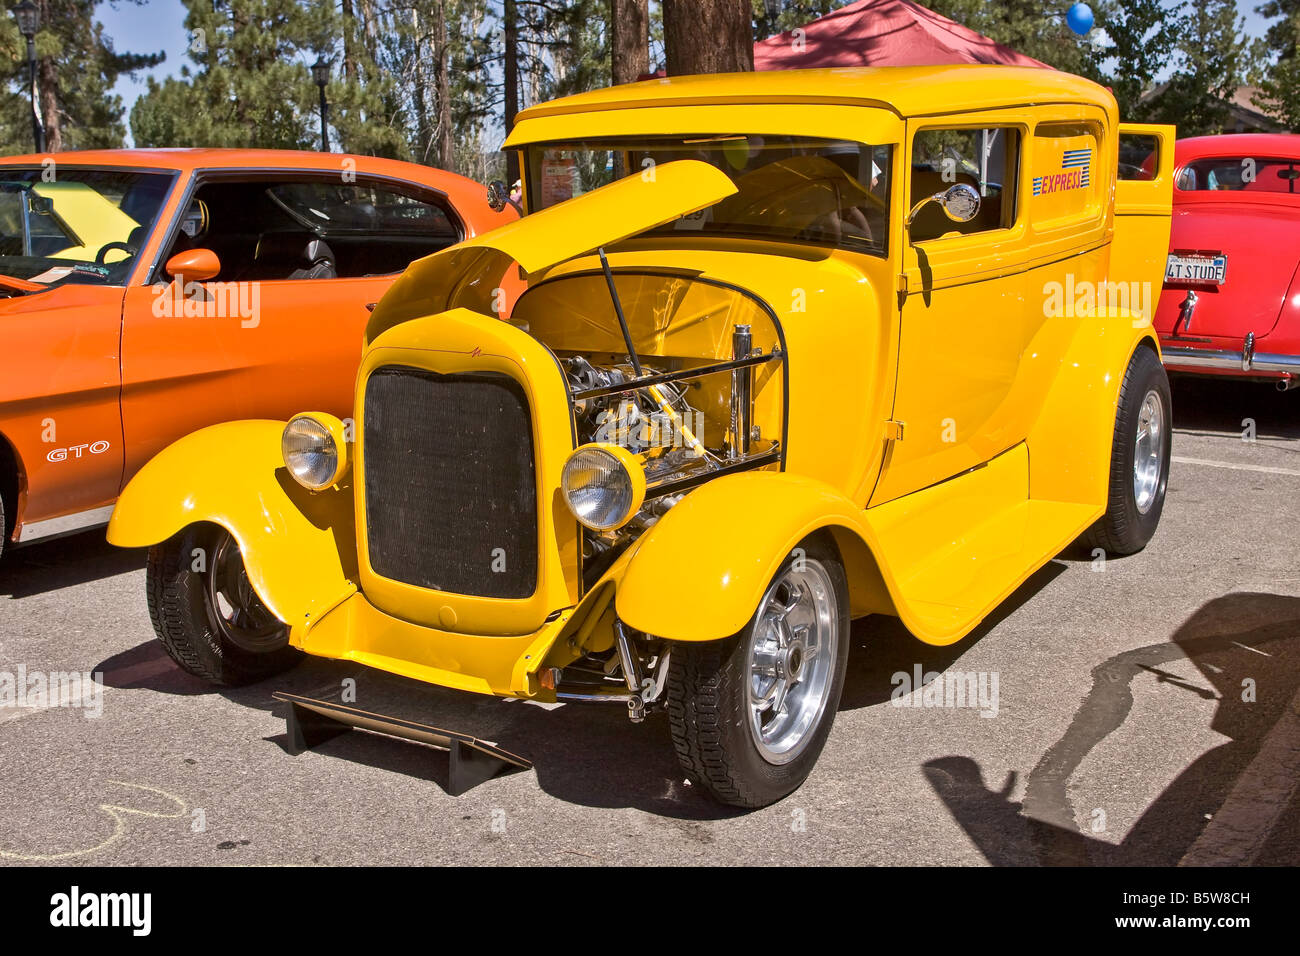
(206, 613)
(1139, 466)
(751, 714)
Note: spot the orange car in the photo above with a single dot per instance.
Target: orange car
(147, 293)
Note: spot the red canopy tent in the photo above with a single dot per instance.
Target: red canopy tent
(883, 33)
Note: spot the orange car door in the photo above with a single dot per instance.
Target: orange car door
(58, 405)
(279, 329)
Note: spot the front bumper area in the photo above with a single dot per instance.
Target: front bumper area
(503, 666)
(1245, 361)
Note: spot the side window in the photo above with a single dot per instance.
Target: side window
(1139, 156)
(987, 159)
(1066, 187)
(314, 229)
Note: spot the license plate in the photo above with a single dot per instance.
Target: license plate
(1199, 270)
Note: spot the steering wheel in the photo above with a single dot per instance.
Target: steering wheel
(109, 247)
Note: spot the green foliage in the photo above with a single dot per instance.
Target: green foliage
(1167, 61)
(79, 65)
(1279, 78)
(1212, 59)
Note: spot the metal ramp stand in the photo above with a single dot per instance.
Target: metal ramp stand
(311, 722)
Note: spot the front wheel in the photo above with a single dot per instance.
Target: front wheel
(206, 613)
(1139, 466)
(751, 714)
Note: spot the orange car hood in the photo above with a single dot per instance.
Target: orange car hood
(469, 273)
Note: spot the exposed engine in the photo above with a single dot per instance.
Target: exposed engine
(656, 423)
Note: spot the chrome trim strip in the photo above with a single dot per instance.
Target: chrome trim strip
(1245, 361)
(65, 524)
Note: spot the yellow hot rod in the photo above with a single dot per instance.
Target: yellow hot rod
(796, 348)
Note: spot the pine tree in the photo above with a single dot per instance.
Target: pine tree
(1279, 78)
(77, 66)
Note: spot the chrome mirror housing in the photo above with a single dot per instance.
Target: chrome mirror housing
(961, 203)
(497, 195)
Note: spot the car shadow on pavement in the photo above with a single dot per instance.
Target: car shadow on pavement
(65, 562)
(1219, 406)
(1235, 804)
(585, 754)
(883, 647)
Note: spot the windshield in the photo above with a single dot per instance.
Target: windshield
(76, 225)
(1240, 173)
(792, 188)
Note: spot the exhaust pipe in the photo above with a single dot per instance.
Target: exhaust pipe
(1285, 384)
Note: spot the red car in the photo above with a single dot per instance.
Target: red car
(1231, 298)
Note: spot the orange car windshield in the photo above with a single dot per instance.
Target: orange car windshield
(790, 188)
(75, 224)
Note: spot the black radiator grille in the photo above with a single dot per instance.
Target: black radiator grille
(450, 492)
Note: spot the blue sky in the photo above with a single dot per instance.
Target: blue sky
(160, 25)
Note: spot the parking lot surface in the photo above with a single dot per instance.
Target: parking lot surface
(1145, 713)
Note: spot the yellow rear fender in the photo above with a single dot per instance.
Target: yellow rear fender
(299, 546)
(700, 572)
(1070, 443)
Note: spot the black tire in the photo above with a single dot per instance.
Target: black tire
(708, 704)
(188, 624)
(1125, 528)
(4, 526)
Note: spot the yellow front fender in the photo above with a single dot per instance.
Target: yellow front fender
(700, 572)
(299, 546)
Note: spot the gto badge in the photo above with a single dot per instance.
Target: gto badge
(61, 454)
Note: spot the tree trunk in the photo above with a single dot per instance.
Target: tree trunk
(629, 28)
(423, 128)
(708, 36)
(510, 15)
(47, 86)
(445, 150)
(349, 37)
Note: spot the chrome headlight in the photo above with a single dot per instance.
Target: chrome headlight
(314, 450)
(603, 485)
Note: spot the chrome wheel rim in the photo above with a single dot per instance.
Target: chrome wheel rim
(1148, 450)
(234, 608)
(791, 657)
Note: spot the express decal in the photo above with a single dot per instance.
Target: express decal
(1075, 168)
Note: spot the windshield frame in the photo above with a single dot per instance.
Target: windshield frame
(877, 247)
(174, 177)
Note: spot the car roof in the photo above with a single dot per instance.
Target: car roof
(187, 159)
(905, 90)
(1237, 144)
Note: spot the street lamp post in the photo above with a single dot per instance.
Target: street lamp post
(320, 72)
(28, 16)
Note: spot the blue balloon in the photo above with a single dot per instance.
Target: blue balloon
(1079, 17)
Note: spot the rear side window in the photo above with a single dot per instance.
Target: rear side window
(1139, 156)
(1064, 184)
(1241, 174)
(988, 159)
(285, 227)
(363, 207)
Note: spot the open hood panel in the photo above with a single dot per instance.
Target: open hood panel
(468, 273)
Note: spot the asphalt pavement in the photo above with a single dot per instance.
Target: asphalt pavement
(1147, 712)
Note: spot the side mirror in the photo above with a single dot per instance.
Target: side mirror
(498, 197)
(195, 265)
(961, 202)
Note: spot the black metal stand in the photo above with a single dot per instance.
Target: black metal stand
(310, 722)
